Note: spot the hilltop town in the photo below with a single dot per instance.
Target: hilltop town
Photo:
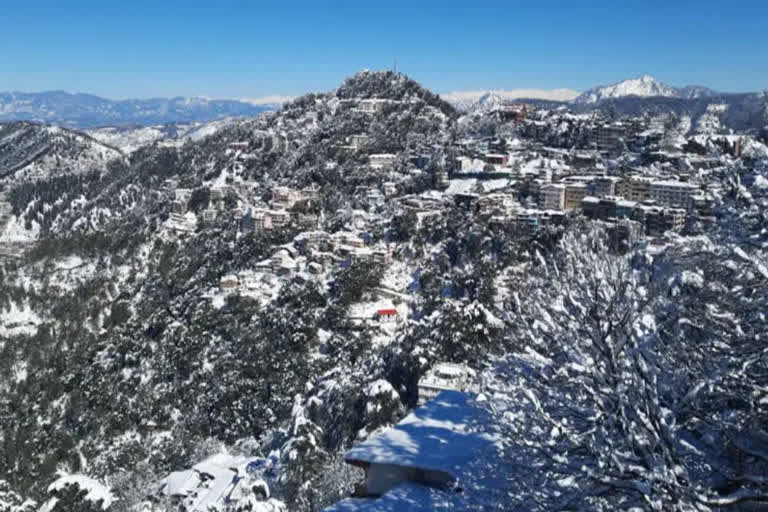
(369, 298)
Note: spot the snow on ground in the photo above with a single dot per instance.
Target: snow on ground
(18, 320)
(460, 186)
(263, 287)
(368, 309)
(16, 232)
(95, 490)
(398, 276)
(127, 140)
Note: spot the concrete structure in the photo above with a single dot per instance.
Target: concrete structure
(221, 482)
(516, 112)
(381, 160)
(278, 218)
(605, 186)
(446, 376)
(672, 193)
(209, 215)
(634, 188)
(552, 197)
(524, 218)
(496, 159)
(431, 447)
(658, 220)
(606, 207)
(574, 193)
(372, 105)
(607, 137)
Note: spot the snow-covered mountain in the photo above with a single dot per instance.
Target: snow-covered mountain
(464, 100)
(33, 151)
(130, 138)
(644, 86)
(87, 111)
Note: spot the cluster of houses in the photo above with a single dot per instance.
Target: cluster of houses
(312, 253)
(278, 214)
(659, 203)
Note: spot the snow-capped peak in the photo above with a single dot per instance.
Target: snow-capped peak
(644, 86)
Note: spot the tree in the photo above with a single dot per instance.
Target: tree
(619, 403)
(199, 199)
(301, 458)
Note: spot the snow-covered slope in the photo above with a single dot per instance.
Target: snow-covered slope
(644, 86)
(129, 139)
(31, 151)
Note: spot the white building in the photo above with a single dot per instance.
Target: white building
(672, 193)
(381, 160)
(217, 483)
(446, 376)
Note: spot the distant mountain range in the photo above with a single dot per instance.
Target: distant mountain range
(643, 87)
(646, 86)
(88, 111)
(465, 100)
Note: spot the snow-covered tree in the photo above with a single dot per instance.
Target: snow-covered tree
(622, 409)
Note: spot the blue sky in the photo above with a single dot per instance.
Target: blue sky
(253, 49)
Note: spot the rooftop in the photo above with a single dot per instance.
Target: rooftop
(443, 435)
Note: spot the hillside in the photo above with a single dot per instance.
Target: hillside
(31, 151)
(252, 303)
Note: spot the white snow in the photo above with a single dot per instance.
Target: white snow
(95, 490)
(18, 319)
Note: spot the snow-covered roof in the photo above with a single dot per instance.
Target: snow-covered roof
(444, 435)
(179, 483)
(673, 183)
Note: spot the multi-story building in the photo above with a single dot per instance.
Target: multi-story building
(625, 209)
(658, 220)
(284, 197)
(634, 188)
(590, 206)
(677, 194)
(605, 186)
(379, 161)
(372, 105)
(358, 141)
(516, 112)
(389, 188)
(552, 196)
(574, 193)
(607, 137)
(278, 218)
(524, 218)
(209, 215)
